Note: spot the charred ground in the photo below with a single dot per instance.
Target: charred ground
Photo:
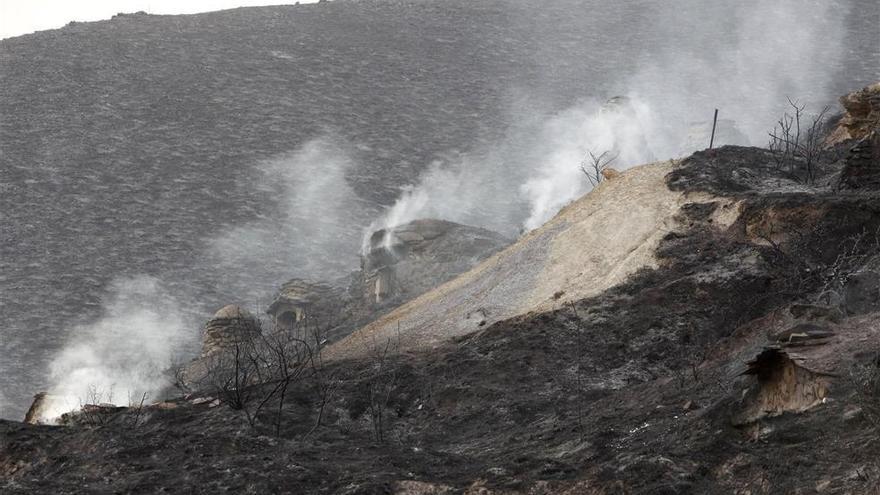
(635, 390)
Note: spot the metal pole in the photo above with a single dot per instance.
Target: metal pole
(714, 121)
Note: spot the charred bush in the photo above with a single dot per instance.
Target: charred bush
(382, 380)
(257, 371)
(796, 142)
(593, 165)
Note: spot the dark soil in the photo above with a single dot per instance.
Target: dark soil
(632, 391)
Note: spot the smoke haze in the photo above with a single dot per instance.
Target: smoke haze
(311, 227)
(125, 353)
(745, 58)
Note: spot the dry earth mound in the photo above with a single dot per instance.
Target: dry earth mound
(591, 245)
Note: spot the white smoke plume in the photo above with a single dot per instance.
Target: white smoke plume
(525, 179)
(617, 129)
(470, 189)
(314, 230)
(124, 353)
(744, 58)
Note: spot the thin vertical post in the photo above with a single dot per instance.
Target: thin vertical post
(714, 122)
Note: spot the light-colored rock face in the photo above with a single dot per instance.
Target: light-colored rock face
(593, 244)
(782, 386)
(231, 311)
(862, 115)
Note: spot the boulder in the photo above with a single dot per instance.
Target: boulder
(230, 325)
(610, 173)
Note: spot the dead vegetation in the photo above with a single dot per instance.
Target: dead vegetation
(593, 165)
(864, 376)
(256, 372)
(796, 142)
(796, 259)
(548, 402)
(382, 382)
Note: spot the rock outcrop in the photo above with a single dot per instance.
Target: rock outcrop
(782, 385)
(299, 299)
(406, 261)
(862, 169)
(230, 325)
(859, 130)
(36, 413)
(861, 117)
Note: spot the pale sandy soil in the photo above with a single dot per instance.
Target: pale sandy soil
(592, 244)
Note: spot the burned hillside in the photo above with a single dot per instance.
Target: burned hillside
(744, 359)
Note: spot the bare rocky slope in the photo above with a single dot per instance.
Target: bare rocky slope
(739, 355)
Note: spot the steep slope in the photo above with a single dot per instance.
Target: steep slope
(591, 245)
(744, 362)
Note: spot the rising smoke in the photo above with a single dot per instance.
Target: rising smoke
(123, 354)
(522, 181)
(745, 58)
(312, 231)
